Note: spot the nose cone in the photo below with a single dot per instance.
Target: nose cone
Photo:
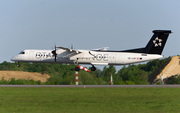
(14, 58)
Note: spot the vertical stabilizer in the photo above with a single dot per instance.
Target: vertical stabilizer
(157, 42)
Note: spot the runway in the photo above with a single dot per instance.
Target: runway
(97, 86)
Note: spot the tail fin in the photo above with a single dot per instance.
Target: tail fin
(157, 42)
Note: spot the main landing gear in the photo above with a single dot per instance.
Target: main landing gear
(93, 68)
(76, 64)
(78, 69)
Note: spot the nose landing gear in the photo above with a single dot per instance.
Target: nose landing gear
(18, 65)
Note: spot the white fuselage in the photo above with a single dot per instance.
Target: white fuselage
(85, 57)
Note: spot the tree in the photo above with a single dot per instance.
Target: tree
(107, 71)
(175, 80)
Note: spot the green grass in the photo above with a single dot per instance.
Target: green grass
(89, 100)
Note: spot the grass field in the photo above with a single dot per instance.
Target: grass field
(90, 100)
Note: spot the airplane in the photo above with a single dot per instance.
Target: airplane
(100, 56)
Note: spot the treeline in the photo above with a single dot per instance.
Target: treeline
(65, 74)
(20, 82)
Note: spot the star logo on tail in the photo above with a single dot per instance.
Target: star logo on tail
(157, 42)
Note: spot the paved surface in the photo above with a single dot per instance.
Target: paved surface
(97, 86)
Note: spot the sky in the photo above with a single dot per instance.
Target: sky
(87, 24)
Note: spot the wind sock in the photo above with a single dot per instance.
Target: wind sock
(83, 68)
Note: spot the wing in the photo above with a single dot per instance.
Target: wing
(71, 50)
(72, 53)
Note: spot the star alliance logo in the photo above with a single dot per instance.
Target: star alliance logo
(157, 42)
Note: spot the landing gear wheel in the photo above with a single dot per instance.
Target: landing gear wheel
(77, 68)
(18, 65)
(93, 68)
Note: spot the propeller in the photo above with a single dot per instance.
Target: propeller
(72, 46)
(54, 53)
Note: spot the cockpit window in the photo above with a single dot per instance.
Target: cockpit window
(22, 52)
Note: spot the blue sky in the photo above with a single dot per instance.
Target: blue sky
(87, 24)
